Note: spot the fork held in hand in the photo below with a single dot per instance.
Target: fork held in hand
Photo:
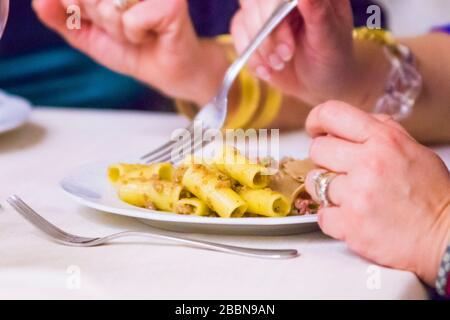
(72, 240)
(213, 115)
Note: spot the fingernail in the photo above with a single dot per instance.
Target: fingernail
(263, 73)
(285, 52)
(276, 62)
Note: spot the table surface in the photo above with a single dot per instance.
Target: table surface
(36, 157)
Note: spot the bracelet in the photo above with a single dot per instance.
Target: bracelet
(404, 83)
(269, 109)
(271, 103)
(250, 93)
(443, 281)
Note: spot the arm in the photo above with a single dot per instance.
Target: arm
(313, 58)
(428, 122)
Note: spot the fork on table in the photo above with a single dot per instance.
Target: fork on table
(68, 239)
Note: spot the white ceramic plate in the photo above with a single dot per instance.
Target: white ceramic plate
(14, 112)
(89, 186)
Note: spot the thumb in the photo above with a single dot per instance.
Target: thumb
(89, 39)
(326, 21)
(53, 14)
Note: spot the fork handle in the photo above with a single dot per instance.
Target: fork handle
(281, 12)
(244, 251)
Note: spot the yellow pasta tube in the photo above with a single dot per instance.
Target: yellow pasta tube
(216, 193)
(238, 167)
(192, 206)
(121, 171)
(155, 194)
(161, 171)
(117, 171)
(265, 202)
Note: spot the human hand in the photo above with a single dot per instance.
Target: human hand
(312, 54)
(153, 41)
(391, 194)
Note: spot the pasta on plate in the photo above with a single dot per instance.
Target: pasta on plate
(227, 186)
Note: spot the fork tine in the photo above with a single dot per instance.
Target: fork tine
(195, 145)
(35, 219)
(154, 154)
(149, 157)
(32, 216)
(165, 155)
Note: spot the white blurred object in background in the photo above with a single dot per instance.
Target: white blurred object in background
(413, 17)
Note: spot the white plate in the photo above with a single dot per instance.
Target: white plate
(89, 186)
(14, 112)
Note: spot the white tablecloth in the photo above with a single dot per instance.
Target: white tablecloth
(34, 158)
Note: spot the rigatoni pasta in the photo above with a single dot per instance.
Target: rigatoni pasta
(217, 193)
(163, 171)
(248, 173)
(153, 193)
(192, 206)
(230, 186)
(265, 202)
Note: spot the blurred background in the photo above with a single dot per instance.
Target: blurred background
(413, 17)
(35, 63)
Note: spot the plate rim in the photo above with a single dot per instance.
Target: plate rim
(18, 105)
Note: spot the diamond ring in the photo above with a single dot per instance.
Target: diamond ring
(322, 182)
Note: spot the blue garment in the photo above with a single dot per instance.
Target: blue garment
(38, 65)
(445, 29)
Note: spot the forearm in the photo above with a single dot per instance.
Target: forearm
(428, 122)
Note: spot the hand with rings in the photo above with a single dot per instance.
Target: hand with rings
(383, 193)
(152, 41)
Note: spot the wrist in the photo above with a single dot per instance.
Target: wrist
(370, 73)
(203, 83)
(435, 243)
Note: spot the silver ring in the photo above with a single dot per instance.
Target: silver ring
(124, 4)
(322, 182)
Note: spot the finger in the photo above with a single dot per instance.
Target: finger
(268, 50)
(322, 25)
(389, 120)
(90, 9)
(335, 189)
(89, 39)
(252, 21)
(284, 41)
(69, 3)
(110, 19)
(279, 47)
(75, 5)
(341, 120)
(241, 39)
(343, 9)
(332, 223)
(154, 17)
(334, 154)
(52, 13)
